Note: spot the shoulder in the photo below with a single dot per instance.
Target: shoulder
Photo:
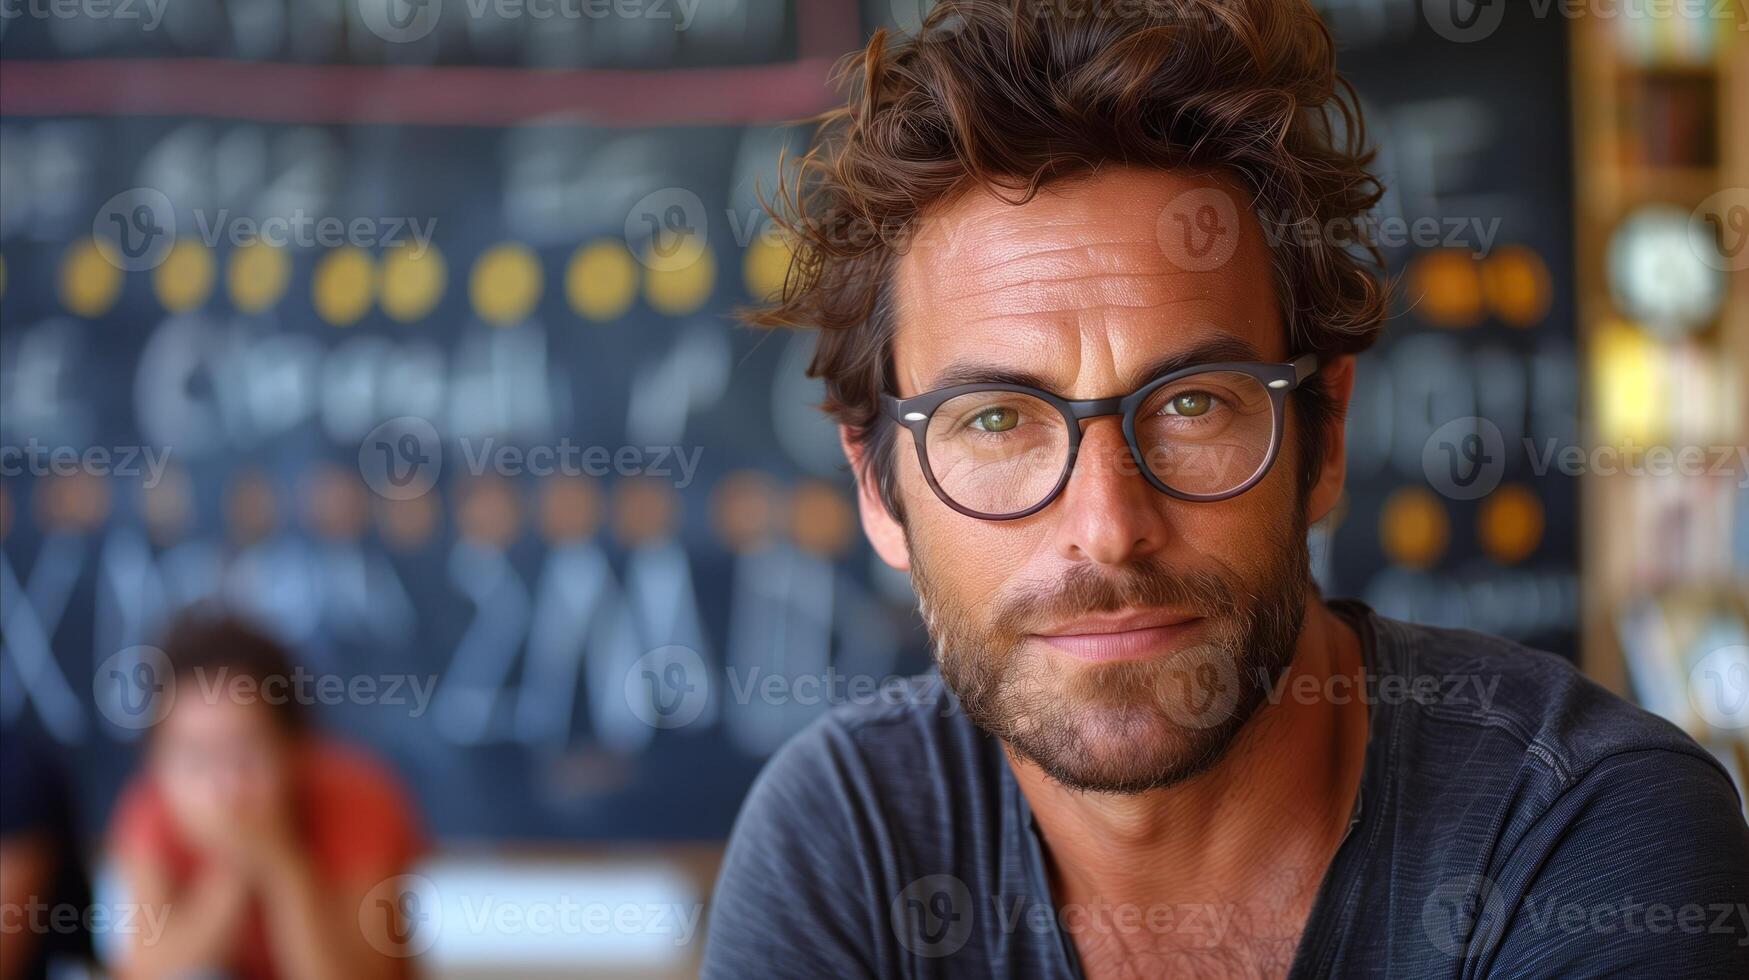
(1502, 703)
(896, 754)
(1561, 812)
(876, 757)
(360, 810)
(836, 823)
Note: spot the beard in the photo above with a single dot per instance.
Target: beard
(1122, 726)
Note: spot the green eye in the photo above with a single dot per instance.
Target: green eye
(1190, 404)
(998, 419)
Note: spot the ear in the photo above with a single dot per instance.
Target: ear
(1338, 378)
(882, 529)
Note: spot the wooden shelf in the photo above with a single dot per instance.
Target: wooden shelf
(1610, 92)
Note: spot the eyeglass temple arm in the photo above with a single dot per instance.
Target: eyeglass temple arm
(1304, 366)
(890, 406)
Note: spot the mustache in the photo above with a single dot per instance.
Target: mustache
(1144, 584)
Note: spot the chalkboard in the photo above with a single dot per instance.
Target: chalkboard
(433, 371)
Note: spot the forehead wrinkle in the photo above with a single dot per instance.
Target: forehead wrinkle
(1014, 352)
(1111, 256)
(1096, 306)
(1068, 295)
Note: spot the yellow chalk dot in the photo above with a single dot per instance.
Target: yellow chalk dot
(413, 281)
(1511, 523)
(1445, 288)
(91, 277)
(505, 284)
(184, 279)
(764, 267)
(344, 286)
(601, 280)
(680, 290)
(257, 275)
(1517, 284)
(1413, 527)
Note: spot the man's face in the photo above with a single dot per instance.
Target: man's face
(1119, 637)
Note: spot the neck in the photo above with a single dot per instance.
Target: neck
(1278, 800)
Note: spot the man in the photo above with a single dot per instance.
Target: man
(1092, 403)
(254, 846)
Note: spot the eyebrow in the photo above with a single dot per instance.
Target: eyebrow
(1213, 351)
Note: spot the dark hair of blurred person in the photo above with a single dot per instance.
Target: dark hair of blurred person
(42, 875)
(259, 837)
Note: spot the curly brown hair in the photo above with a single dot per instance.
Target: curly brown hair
(1010, 95)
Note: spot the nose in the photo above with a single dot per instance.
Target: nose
(1109, 513)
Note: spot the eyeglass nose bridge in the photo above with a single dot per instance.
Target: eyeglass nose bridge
(1098, 407)
(1126, 457)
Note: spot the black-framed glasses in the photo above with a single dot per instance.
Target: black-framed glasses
(999, 452)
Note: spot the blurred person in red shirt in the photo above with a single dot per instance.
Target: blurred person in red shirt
(260, 839)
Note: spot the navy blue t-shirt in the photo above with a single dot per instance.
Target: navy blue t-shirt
(1514, 820)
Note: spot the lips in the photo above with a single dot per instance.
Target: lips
(1132, 636)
